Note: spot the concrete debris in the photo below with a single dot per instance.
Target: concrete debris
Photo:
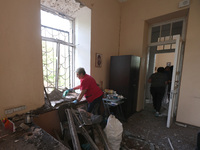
(55, 95)
(3, 136)
(180, 124)
(152, 147)
(53, 103)
(170, 144)
(24, 126)
(157, 147)
(34, 134)
(16, 141)
(139, 140)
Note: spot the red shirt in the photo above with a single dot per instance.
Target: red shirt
(93, 91)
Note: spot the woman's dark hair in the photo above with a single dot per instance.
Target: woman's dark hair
(81, 71)
(161, 69)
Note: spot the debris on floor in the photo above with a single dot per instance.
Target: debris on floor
(78, 123)
(32, 138)
(141, 131)
(170, 143)
(180, 124)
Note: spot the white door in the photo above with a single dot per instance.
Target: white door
(175, 85)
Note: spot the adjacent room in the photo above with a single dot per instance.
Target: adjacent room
(50, 47)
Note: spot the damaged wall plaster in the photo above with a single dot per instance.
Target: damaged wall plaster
(67, 7)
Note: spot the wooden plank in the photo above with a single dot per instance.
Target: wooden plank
(72, 129)
(103, 137)
(84, 132)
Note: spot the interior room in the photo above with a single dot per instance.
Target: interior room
(120, 43)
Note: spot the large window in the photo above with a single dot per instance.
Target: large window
(57, 51)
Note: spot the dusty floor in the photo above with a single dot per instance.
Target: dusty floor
(145, 131)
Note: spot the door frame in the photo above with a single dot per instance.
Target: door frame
(153, 54)
(162, 43)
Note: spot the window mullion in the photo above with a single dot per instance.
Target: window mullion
(57, 64)
(57, 40)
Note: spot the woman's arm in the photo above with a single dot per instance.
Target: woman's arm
(76, 87)
(81, 95)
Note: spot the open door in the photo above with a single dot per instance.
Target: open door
(175, 85)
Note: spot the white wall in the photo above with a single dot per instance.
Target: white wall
(83, 40)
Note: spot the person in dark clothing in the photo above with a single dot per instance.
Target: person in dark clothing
(168, 72)
(158, 82)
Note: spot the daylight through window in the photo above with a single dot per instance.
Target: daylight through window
(57, 51)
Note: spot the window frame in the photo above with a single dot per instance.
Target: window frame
(58, 42)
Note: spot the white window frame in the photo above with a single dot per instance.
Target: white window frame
(72, 45)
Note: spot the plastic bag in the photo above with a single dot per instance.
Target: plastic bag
(113, 131)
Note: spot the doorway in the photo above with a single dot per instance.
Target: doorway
(164, 50)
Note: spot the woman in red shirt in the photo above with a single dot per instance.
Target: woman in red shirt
(89, 89)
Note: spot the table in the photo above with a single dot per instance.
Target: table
(108, 103)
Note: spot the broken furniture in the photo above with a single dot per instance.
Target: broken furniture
(73, 125)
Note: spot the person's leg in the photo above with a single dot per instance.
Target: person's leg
(153, 93)
(156, 101)
(160, 95)
(94, 107)
(169, 90)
